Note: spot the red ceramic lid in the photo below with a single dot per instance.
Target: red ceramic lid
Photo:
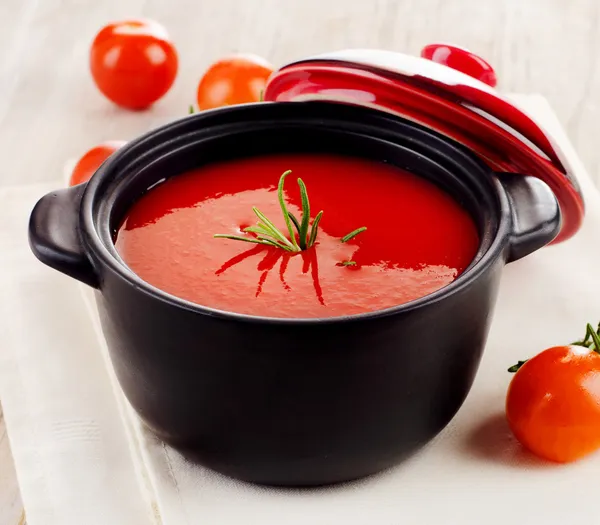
(433, 93)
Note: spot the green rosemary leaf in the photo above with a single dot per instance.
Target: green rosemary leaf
(303, 233)
(239, 238)
(315, 229)
(266, 235)
(295, 221)
(353, 234)
(284, 210)
(259, 230)
(275, 243)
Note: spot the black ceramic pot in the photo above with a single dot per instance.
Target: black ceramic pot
(293, 401)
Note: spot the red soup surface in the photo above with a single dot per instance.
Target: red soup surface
(418, 238)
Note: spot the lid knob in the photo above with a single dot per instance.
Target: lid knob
(462, 60)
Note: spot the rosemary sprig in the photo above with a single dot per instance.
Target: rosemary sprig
(268, 234)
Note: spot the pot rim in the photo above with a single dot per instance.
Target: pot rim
(108, 256)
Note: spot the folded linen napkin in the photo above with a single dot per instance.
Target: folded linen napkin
(83, 458)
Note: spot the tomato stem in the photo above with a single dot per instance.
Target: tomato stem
(591, 338)
(591, 341)
(268, 234)
(595, 338)
(515, 368)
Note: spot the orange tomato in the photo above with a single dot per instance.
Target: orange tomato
(553, 403)
(133, 63)
(88, 164)
(236, 79)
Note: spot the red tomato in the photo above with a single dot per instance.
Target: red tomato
(237, 79)
(133, 62)
(553, 403)
(88, 164)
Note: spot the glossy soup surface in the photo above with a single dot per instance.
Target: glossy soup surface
(418, 238)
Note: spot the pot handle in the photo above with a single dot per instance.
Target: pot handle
(54, 234)
(536, 218)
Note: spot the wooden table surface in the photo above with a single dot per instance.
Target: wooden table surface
(50, 111)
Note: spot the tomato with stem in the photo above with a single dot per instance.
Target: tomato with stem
(133, 62)
(236, 79)
(88, 164)
(553, 401)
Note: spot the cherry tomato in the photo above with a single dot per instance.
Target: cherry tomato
(88, 164)
(553, 403)
(236, 79)
(133, 63)
(462, 60)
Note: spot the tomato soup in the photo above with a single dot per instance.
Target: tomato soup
(418, 238)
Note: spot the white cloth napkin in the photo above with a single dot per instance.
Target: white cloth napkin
(82, 458)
